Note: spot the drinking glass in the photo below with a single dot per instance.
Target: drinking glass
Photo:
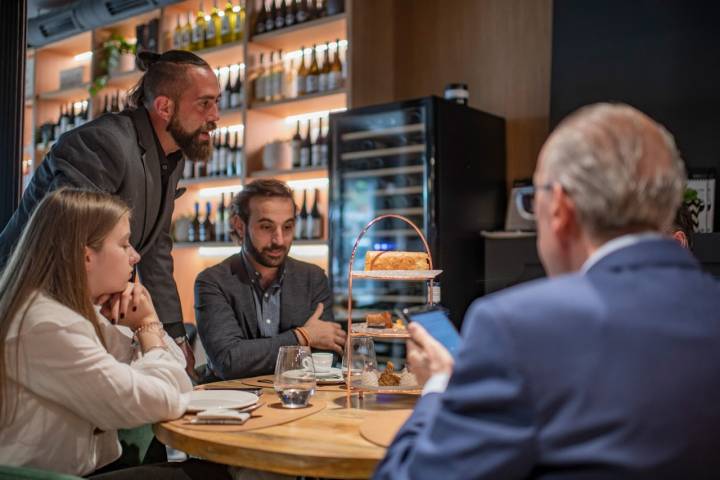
(362, 358)
(294, 376)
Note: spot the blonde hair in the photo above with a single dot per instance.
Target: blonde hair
(621, 168)
(49, 259)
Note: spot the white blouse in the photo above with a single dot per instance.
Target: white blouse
(73, 394)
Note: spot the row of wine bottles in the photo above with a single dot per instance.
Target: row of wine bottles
(278, 14)
(306, 152)
(309, 223)
(71, 116)
(232, 86)
(284, 76)
(217, 28)
(116, 103)
(226, 160)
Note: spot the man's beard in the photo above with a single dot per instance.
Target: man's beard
(189, 142)
(260, 256)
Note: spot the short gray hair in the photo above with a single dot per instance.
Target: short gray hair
(621, 168)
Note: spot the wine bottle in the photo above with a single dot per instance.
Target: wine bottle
(239, 26)
(290, 13)
(302, 12)
(302, 218)
(212, 30)
(227, 92)
(188, 168)
(238, 156)
(311, 14)
(220, 220)
(198, 34)
(311, 82)
(227, 24)
(71, 116)
(260, 20)
(268, 83)
(315, 149)
(235, 92)
(194, 232)
(270, 17)
(187, 33)
(324, 71)
(280, 14)
(225, 154)
(301, 77)
(278, 77)
(335, 76)
(207, 231)
(260, 81)
(316, 231)
(305, 152)
(323, 145)
(177, 35)
(320, 8)
(226, 220)
(295, 145)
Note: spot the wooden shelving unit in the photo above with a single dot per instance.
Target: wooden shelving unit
(256, 123)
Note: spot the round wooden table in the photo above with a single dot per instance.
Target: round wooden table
(325, 444)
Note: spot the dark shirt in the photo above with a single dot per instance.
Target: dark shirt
(168, 163)
(267, 301)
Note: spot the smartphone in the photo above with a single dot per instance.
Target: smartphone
(435, 320)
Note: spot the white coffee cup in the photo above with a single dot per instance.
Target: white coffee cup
(323, 361)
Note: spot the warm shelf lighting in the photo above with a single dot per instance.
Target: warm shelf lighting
(319, 48)
(308, 183)
(83, 57)
(303, 117)
(213, 192)
(303, 251)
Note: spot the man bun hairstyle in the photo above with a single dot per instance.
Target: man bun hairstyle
(165, 74)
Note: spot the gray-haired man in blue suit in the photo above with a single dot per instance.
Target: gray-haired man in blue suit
(609, 369)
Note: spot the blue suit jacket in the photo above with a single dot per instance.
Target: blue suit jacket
(610, 374)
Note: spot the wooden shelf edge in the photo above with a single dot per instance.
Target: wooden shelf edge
(185, 182)
(290, 172)
(264, 106)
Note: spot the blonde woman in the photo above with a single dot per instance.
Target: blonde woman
(69, 377)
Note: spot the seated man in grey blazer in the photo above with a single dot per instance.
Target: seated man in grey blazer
(258, 300)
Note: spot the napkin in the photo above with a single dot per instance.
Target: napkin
(220, 416)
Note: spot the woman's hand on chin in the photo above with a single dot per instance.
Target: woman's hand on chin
(132, 307)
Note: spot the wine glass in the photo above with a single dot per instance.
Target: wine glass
(294, 376)
(362, 356)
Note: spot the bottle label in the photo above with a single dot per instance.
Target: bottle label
(309, 227)
(316, 227)
(238, 162)
(225, 26)
(279, 21)
(188, 169)
(295, 149)
(177, 40)
(305, 157)
(315, 155)
(322, 82)
(300, 84)
(210, 32)
(260, 88)
(186, 39)
(301, 16)
(323, 154)
(196, 34)
(289, 19)
(311, 84)
(234, 100)
(269, 24)
(238, 24)
(299, 228)
(277, 84)
(225, 101)
(334, 80)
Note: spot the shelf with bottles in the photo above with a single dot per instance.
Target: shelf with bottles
(69, 116)
(225, 164)
(277, 18)
(232, 93)
(307, 33)
(292, 173)
(210, 32)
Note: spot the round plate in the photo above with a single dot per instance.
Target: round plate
(332, 372)
(206, 399)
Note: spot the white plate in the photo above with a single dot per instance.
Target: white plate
(206, 399)
(332, 372)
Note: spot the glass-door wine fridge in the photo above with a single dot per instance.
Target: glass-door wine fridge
(441, 165)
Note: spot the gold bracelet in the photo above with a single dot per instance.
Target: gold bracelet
(152, 327)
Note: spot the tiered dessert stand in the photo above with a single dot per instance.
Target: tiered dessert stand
(362, 330)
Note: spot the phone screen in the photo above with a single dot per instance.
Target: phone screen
(439, 326)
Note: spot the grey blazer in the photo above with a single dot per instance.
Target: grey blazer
(117, 154)
(227, 322)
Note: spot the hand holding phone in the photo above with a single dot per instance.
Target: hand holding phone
(436, 322)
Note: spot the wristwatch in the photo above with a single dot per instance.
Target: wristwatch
(182, 339)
